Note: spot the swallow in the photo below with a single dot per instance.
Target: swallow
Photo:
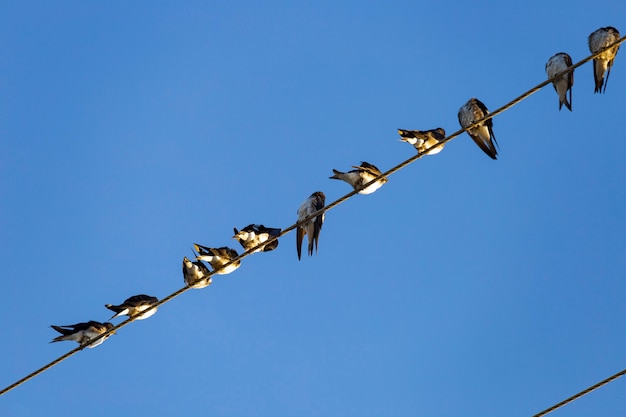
(83, 333)
(253, 235)
(134, 306)
(599, 40)
(218, 257)
(196, 274)
(562, 85)
(360, 176)
(313, 226)
(482, 134)
(424, 139)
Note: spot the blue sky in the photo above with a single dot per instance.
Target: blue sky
(464, 286)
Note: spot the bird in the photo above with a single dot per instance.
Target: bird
(599, 40)
(218, 257)
(196, 274)
(360, 176)
(83, 333)
(424, 139)
(562, 85)
(482, 134)
(134, 307)
(253, 235)
(312, 227)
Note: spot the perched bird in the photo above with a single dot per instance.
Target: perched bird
(218, 257)
(562, 85)
(424, 139)
(83, 333)
(598, 40)
(313, 226)
(482, 134)
(254, 234)
(134, 306)
(360, 176)
(195, 274)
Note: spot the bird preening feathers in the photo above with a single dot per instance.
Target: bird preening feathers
(598, 40)
(311, 227)
(423, 140)
(562, 85)
(482, 135)
(219, 258)
(196, 274)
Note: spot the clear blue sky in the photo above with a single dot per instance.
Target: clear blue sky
(463, 287)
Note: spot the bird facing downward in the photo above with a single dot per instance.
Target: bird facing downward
(599, 40)
(482, 134)
(83, 333)
(313, 226)
(559, 63)
(134, 306)
(360, 176)
(218, 258)
(424, 139)
(196, 274)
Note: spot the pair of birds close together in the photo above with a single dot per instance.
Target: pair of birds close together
(365, 179)
(138, 307)
(597, 41)
(428, 142)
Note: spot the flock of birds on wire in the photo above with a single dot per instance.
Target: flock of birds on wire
(197, 274)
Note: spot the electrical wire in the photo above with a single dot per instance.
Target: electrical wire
(581, 393)
(334, 204)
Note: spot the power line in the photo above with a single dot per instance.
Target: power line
(581, 393)
(334, 204)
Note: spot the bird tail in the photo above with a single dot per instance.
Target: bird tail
(299, 237)
(61, 330)
(116, 309)
(337, 175)
(202, 250)
(312, 240)
(568, 103)
(64, 334)
(274, 232)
